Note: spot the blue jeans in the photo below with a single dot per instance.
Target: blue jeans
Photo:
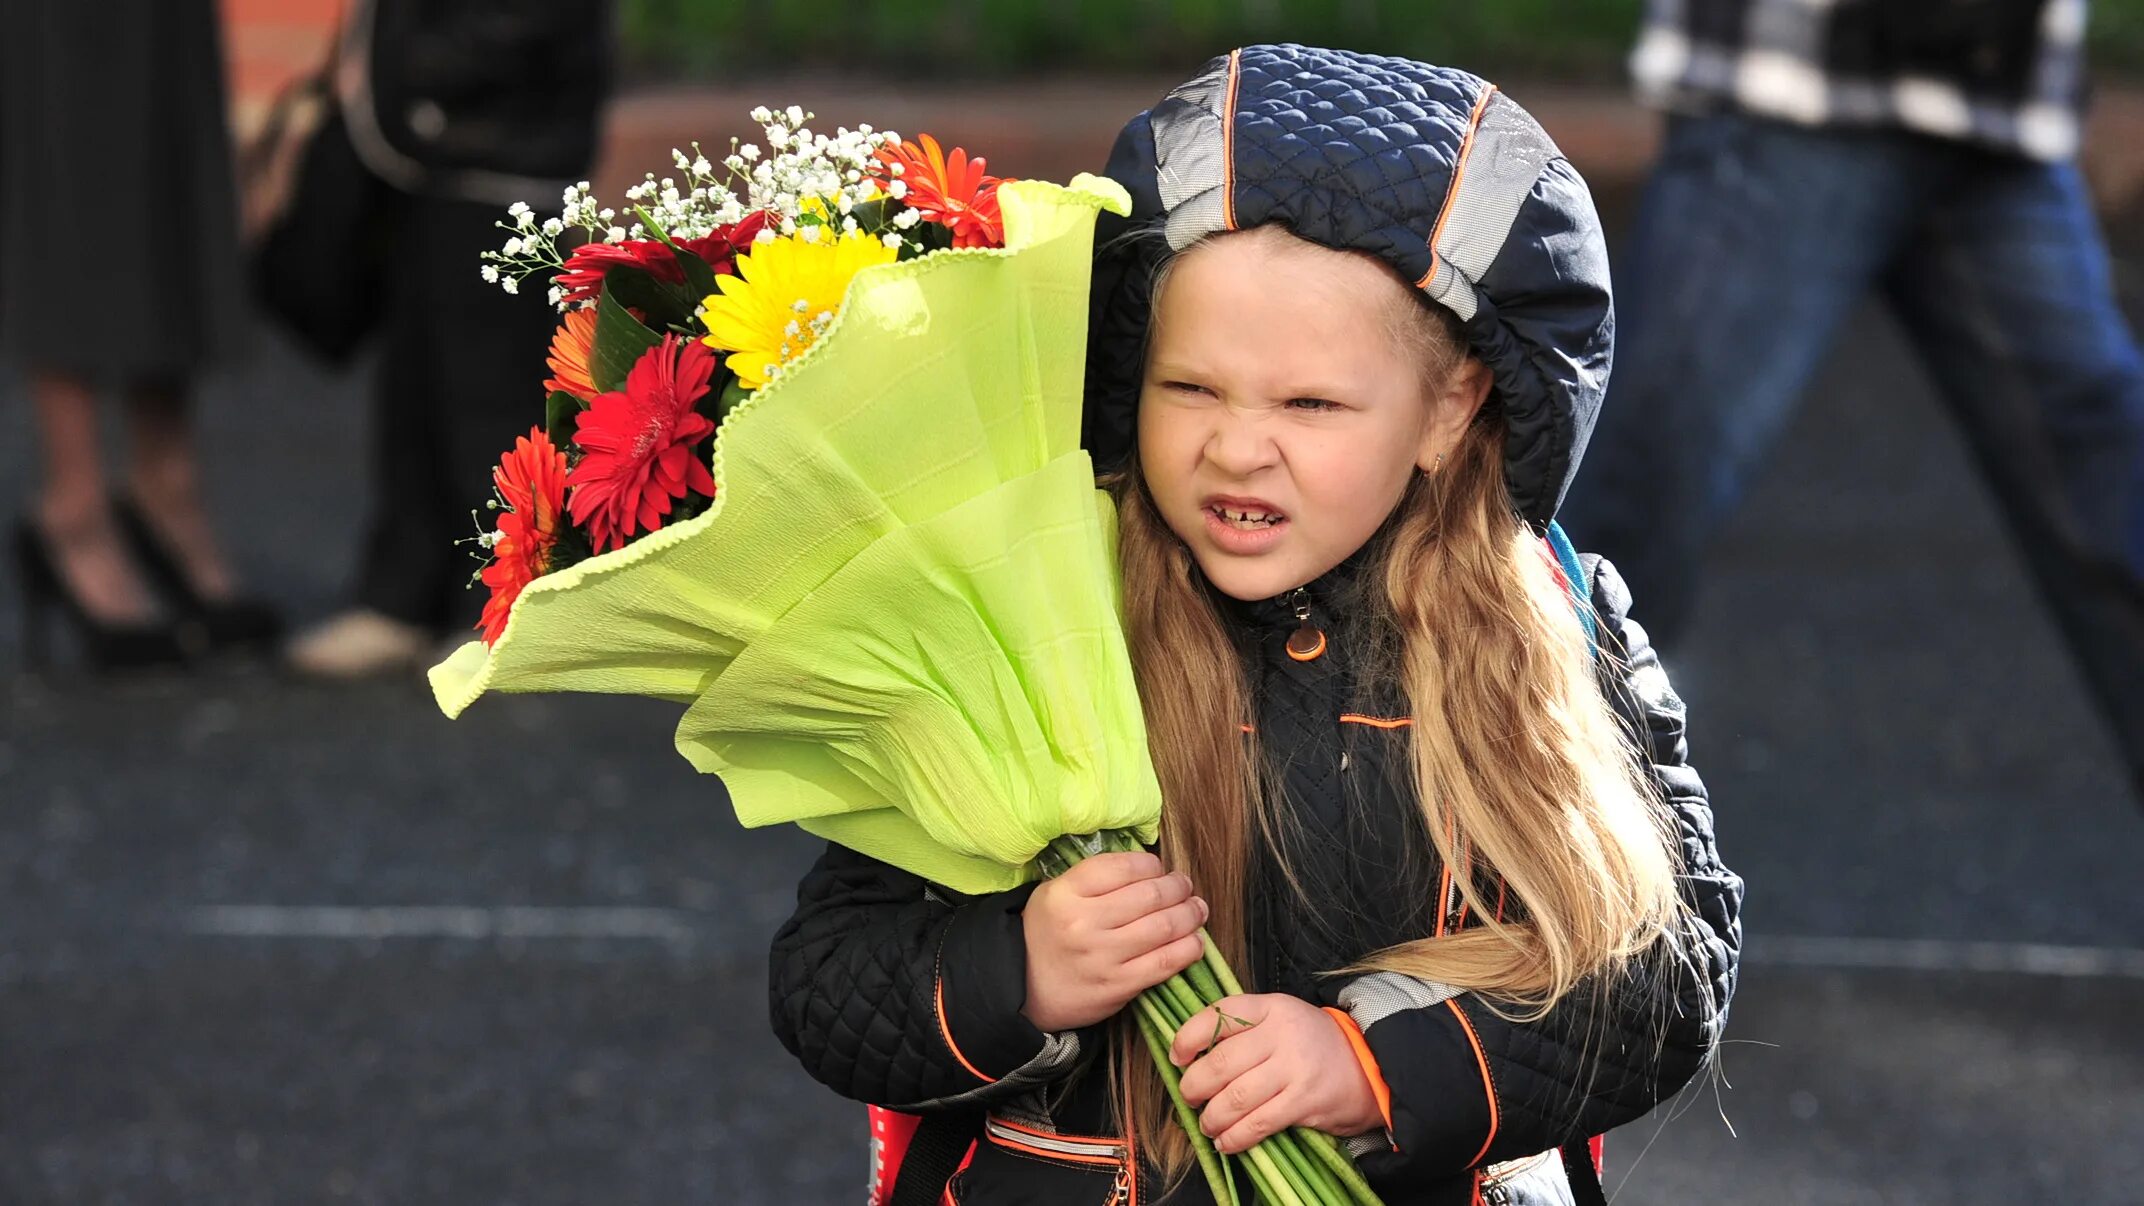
(1756, 239)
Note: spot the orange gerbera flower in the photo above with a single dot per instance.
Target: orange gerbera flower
(531, 480)
(573, 346)
(951, 190)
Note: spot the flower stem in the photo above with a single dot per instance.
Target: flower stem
(1219, 966)
(1297, 1167)
(1327, 1151)
(1202, 977)
(1278, 1190)
(1311, 1176)
(1183, 996)
(1218, 1178)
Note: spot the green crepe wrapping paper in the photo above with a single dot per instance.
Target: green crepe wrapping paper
(898, 624)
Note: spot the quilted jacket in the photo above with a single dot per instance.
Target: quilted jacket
(895, 992)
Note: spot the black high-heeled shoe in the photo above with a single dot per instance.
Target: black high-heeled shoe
(228, 623)
(105, 645)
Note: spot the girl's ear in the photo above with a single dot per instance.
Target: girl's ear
(1451, 410)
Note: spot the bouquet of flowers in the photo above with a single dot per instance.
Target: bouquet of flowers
(810, 467)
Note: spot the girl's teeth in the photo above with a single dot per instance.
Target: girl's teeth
(1247, 519)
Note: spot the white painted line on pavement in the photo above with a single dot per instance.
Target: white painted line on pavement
(439, 921)
(477, 924)
(1937, 955)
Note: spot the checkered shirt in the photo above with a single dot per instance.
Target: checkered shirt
(2007, 74)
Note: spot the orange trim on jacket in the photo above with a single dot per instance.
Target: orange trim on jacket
(945, 1031)
(1368, 1059)
(1376, 722)
(1459, 173)
(1228, 140)
(1048, 1154)
(1488, 1082)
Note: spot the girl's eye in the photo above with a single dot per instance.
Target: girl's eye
(1313, 404)
(1184, 387)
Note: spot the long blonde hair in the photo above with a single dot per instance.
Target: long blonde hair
(1522, 770)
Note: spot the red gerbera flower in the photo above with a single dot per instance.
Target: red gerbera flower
(637, 444)
(721, 245)
(531, 480)
(582, 275)
(950, 190)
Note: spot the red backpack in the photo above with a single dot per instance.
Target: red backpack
(914, 1173)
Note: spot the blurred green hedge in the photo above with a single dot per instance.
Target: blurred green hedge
(972, 38)
(1565, 39)
(2118, 36)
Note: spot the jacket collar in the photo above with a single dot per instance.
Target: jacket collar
(1330, 597)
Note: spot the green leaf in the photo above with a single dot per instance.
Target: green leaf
(733, 395)
(663, 304)
(621, 340)
(875, 215)
(723, 395)
(561, 416)
(685, 508)
(572, 548)
(932, 235)
(699, 276)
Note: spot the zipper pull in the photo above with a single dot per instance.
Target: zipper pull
(1306, 643)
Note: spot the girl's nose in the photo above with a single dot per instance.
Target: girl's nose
(1240, 445)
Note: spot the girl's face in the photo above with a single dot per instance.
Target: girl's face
(1284, 410)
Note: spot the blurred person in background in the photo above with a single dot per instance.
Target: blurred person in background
(456, 109)
(1923, 150)
(116, 198)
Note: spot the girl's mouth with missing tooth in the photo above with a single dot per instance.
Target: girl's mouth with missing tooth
(1247, 519)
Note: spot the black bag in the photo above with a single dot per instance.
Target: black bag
(318, 261)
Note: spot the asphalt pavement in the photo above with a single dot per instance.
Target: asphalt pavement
(269, 942)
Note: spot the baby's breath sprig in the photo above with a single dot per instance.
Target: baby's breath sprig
(532, 246)
(810, 184)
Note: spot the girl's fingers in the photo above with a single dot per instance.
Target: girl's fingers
(1230, 1015)
(1102, 874)
(1243, 1100)
(1215, 1072)
(1155, 966)
(1157, 930)
(1129, 902)
(1274, 1115)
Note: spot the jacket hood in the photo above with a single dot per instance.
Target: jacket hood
(1428, 168)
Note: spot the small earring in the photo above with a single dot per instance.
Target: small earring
(1437, 466)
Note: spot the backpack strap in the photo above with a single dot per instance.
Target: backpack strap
(1574, 583)
(935, 1152)
(1583, 1174)
(1581, 1161)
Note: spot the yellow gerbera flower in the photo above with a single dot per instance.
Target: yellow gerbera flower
(783, 297)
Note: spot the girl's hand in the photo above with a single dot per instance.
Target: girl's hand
(1112, 927)
(1288, 1066)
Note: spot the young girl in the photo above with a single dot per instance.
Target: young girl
(1425, 782)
